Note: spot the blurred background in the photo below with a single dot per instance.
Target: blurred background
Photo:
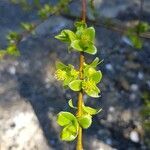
(30, 96)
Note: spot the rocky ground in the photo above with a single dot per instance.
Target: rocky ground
(30, 97)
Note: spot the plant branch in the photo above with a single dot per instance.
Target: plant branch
(80, 96)
(111, 24)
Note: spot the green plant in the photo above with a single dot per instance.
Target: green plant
(134, 32)
(84, 80)
(145, 114)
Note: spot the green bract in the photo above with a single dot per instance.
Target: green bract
(85, 121)
(71, 104)
(90, 110)
(66, 36)
(70, 124)
(76, 85)
(80, 40)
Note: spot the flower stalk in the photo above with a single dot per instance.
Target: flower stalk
(80, 96)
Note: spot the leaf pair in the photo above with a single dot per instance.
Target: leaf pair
(70, 126)
(70, 123)
(81, 40)
(86, 109)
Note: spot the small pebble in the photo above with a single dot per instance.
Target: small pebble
(148, 83)
(134, 136)
(111, 109)
(12, 70)
(109, 141)
(132, 97)
(134, 87)
(109, 67)
(140, 75)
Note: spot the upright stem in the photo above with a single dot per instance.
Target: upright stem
(80, 96)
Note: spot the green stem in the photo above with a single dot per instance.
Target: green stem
(80, 96)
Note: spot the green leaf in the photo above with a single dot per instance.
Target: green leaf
(90, 110)
(69, 133)
(67, 81)
(85, 121)
(71, 104)
(91, 49)
(2, 53)
(65, 118)
(136, 41)
(71, 35)
(12, 50)
(45, 11)
(93, 93)
(28, 26)
(89, 33)
(77, 45)
(76, 85)
(80, 24)
(91, 71)
(95, 62)
(97, 76)
(60, 65)
(143, 27)
(13, 37)
(66, 36)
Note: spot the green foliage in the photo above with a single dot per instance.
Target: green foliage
(70, 126)
(45, 11)
(85, 121)
(134, 38)
(145, 114)
(86, 109)
(70, 103)
(90, 110)
(76, 85)
(11, 49)
(28, 26)
(81, 40)
(2, 54)
(13, 37)
(70, 77)
(133, 34)
(49, 9)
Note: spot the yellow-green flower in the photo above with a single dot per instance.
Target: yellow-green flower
(60, 74)
(74, 72)
(89, 86)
